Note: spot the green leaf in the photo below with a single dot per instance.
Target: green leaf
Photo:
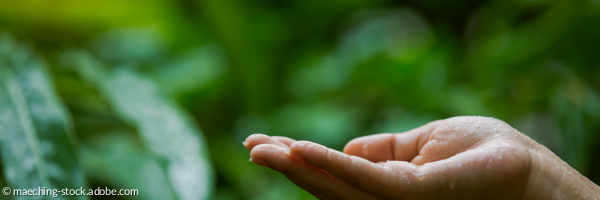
(36, 143)
(402, 35)
(116, 158)
(167, 131)
(165, 128)
(21, 155)
(191, 70)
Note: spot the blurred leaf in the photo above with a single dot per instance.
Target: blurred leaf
(256, 75)
(22, 157)
(36, 140)
(191, 70)
(510, 47)
(167, 131)
(401, 34)
(118, 159)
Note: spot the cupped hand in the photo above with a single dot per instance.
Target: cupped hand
(455, 158)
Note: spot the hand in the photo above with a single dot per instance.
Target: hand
(455, 158)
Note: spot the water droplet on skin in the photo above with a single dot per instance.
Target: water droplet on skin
(301, 144)
(451, 184)
(420, 176)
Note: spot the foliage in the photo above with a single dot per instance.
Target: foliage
(139, 78)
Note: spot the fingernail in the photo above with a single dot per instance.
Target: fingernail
(294, 155)
(258, 161)
(245, 143)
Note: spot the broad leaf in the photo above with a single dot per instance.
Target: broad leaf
(116, 158)
(21, 155)
(37, 148)
(165, 128)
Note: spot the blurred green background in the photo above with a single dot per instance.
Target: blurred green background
(158, 95)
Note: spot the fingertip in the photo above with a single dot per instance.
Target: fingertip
(257, 139)
(254, 137)
(258, 161)
(418, 160)
(257, 136)
(353, 146)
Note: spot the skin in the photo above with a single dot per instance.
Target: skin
(455, 158)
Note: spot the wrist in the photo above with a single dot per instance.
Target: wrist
(552, 178)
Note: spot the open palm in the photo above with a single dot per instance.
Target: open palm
(455, 158)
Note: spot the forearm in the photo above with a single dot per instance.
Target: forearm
(552, 178)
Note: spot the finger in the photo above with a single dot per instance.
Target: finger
(277, 158)
(361, 173)
(256, 139)
(375, 148)
(452, 136)
(395, 179)
(387, 146)
(285, 140)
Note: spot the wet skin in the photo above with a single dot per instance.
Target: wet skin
(455, 158)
